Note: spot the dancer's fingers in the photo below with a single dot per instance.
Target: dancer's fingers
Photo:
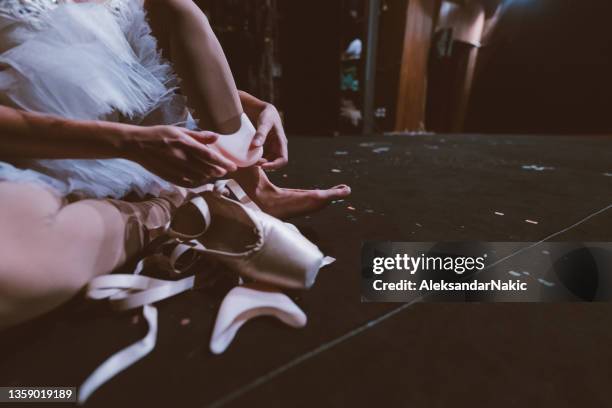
(275, 165)
(205, 169)
(199, 164)
(190, 170)
(207, 155)
(277, 150)
(279, 155)
(176, 176)
(280, 130)
(203, 136)
(263, 129)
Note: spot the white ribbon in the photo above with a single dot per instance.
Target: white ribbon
(123, 359)
(126, 292)
(241, 195)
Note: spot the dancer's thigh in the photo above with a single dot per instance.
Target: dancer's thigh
(49, 250)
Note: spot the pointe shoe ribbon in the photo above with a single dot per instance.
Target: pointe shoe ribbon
(126, 292)
(244, 303)
(121, 360)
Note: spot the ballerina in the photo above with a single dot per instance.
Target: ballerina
(98, 148)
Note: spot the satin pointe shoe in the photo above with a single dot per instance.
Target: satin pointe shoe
(237, 147)
(248, 241)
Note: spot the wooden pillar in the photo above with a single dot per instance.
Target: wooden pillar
(420, 24)
(371, 56)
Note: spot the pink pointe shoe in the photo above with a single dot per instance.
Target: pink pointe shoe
(247, 241)
(237, 147)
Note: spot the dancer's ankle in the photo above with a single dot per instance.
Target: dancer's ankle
(229, 126)
(255, 181)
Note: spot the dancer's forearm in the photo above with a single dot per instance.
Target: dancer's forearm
(26, 135)
(178, 155)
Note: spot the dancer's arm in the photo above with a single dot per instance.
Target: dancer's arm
(185, 36)
(168, 151)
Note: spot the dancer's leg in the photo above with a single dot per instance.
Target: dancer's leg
(186, 37)
(50, 250)
(285, 203)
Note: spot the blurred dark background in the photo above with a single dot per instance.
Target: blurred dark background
(549, 71)
(484, 66)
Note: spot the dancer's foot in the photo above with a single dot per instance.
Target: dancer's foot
(285, 203)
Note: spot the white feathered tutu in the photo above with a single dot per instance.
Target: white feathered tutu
(86, 61)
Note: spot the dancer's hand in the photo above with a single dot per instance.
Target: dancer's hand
(178, 155)
(270, 131)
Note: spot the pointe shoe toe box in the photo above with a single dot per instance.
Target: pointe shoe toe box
(286, 258)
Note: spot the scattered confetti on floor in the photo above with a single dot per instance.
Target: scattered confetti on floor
(351, 208)
(537, 168)
(532, 222)
(336, 171)
(608, 174)
(186, 321)
(513, 273)
(545, 252)
(546, 283)
(501, 214)
(341, 153)
(379, 150)
(526, 273)
(373, 144)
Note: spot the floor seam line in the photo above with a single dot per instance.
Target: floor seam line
(355, 332)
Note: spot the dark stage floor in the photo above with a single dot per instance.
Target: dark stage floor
(425, 188)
